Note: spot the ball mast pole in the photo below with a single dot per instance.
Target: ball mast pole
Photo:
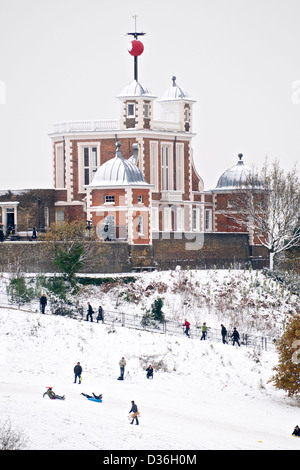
(135, 35)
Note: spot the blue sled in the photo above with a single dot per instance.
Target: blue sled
(95, 399)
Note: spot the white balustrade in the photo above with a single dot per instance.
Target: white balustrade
(85, 126)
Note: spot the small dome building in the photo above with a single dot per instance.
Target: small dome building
(228, 182)
(234, 177)
(176, 106)
(119, 200)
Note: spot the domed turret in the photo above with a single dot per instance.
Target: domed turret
(175, 93)
(176, 106)
(234, 176)
(118, 172)
(135, 90)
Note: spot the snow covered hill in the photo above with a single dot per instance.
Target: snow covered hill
(205, 395)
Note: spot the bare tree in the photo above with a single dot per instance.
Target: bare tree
(268, 205)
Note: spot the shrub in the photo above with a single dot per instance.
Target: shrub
(287, 375)
(12, 439)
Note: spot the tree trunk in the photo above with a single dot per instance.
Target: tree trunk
(271, 260)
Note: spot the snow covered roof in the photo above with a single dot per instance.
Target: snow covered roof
(175, 93)
(118, 172)
(136, 90)
(234, 176)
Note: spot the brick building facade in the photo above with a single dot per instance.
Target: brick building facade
(151, 138)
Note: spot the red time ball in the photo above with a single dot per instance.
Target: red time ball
(136, 48)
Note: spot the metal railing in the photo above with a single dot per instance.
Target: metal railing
(128, 320)
(135, 321)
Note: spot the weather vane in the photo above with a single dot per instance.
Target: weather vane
(135, 48)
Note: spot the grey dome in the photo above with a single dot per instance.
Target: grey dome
(175, 93)
(234, 176)
(118, 172)
(134, 90)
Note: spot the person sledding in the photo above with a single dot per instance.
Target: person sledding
(95, 397)
(53, 395)
(296, 431)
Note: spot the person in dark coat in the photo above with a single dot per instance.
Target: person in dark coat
(296, 431)
(89, 312)
(235, 336)
(134, 410)
(100, 314)
(149, 371)
(97, 397)
(77, 372)
(43, 303)
(224, 334)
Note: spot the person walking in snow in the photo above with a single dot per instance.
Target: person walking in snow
(100, 314)
(187, 327)
(134, 410)
(204, 331)
(77, 372)
(53, 395)
(89, 312)
(122, 364)
(43, 303)
(149, 371)
(235, 337)
(224, 334)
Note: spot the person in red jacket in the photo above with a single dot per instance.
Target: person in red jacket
(187, 327)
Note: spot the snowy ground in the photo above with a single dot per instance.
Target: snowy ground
(208, 396)
(213, 396)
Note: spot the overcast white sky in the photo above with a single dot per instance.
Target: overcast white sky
(68, 60)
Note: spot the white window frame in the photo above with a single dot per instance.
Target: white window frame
(146, 110)
(81, 166)
(180, 167)
(154, 165)
(109, 199)
(180, 219)
(60, 171)
(208, 220)
(59, 217)
(155, 219)
(141, 225)
(130, 114)
(46, 216)
(187, 113)
(168, 219)
(166, 167)
(196, 219)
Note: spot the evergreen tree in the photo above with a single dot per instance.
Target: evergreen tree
(156, 309)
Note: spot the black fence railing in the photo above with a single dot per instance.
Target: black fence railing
(135, 321)
(129, 320)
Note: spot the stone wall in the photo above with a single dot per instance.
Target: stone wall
(213, 250)
(206, 251)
